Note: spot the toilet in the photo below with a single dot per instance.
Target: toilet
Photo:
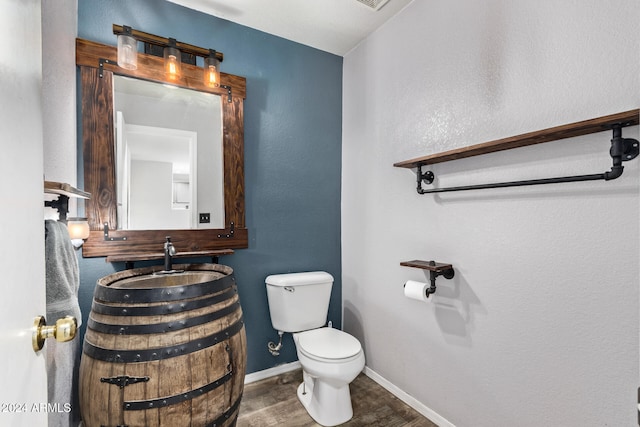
(330, 358)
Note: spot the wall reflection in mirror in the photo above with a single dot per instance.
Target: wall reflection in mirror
(169, 157)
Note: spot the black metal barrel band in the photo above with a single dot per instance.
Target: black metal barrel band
(156, 328)
(167, 293)
(155, 310)
(148, 355)
(227, 414)
(139, 405)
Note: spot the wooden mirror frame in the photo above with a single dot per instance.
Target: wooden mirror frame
(97, 63)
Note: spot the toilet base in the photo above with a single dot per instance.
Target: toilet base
(327, 405)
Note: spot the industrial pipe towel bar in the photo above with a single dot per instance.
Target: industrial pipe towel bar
(622, 149)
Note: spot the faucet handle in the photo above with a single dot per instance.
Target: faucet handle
(168, 246)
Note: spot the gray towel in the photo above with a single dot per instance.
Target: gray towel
(63, 280)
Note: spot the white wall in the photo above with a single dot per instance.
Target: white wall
(59, 29)
(539, 327)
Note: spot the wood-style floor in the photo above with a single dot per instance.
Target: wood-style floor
(274, 402)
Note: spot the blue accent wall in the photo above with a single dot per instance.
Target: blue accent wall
(293, 131)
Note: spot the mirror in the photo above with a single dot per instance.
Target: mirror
(109, 162)
(168, 148)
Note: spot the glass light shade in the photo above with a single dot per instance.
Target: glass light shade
(127, 52)
(172, 63)
(78, 228)
(211, 71)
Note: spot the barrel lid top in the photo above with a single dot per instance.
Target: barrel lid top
(297, 279)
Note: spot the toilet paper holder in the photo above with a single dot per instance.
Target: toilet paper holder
(435, 269)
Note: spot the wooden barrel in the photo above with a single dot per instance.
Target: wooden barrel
(164, 349)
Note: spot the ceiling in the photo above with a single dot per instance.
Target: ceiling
(334, 26)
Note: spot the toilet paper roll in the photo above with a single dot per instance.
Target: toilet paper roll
(416, 290)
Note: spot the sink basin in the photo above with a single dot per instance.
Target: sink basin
(155, 280)
(150, 284)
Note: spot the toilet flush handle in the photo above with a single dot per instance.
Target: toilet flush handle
(289, 289)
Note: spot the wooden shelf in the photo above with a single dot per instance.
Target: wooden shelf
(427, 265)
(600, 124)
(160, 255)
(64, 189)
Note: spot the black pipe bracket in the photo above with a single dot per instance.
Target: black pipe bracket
(447, 274)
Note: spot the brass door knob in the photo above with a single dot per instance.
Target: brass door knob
(64, 330)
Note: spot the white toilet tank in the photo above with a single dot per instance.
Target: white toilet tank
(299, 301)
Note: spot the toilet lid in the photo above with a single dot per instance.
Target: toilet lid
(329, 343)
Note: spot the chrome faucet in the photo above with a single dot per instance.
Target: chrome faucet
(169, 251)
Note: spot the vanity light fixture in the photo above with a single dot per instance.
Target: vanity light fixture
(175, 54)
(127, 50)
(78, 230)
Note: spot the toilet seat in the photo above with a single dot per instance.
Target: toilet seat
(328, 344)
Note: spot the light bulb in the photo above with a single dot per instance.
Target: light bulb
(78, 230)
(212, 71)
(172, 62)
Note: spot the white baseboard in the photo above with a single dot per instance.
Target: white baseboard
(271, 372)
(408, 399)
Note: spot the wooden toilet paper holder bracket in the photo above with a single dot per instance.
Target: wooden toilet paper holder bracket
(435, 269)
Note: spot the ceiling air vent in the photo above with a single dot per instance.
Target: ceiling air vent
(373, 4)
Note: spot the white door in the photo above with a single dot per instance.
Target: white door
(23, 379)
